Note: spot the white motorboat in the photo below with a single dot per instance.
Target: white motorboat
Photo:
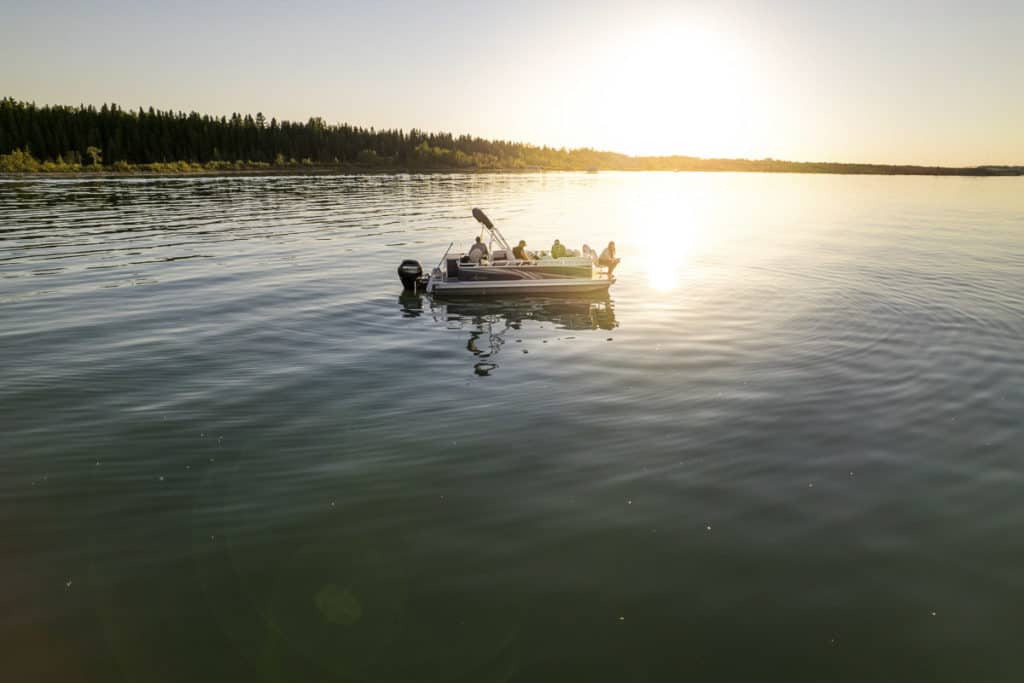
(500, 273)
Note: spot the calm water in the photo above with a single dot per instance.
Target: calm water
(789, 446)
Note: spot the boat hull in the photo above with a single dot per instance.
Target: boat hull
(540, 271)
(506, 287)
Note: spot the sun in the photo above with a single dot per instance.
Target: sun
(673, 89)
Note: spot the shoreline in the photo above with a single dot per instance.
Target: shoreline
(83, 142)
(329, 170)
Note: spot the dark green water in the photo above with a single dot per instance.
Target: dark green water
(788, 447)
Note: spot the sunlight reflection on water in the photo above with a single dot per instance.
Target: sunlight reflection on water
(220, 410)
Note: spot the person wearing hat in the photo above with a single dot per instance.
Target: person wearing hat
(519, 251)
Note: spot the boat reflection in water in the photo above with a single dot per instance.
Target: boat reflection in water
(490, 322)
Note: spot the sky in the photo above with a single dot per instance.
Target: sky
(888, 82)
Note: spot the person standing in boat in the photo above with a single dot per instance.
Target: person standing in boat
(519, 251)
(608, 258)
(477, 251)
(557, 250)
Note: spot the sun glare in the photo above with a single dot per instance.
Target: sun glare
(674, 89)
(671, 223)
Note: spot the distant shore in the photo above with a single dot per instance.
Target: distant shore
(184, 170)
(110, 141)
(62, 141)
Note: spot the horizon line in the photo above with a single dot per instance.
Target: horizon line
(404, 131)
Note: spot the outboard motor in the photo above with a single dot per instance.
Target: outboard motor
(410, 273)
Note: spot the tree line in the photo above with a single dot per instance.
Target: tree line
(148, 136)
(62, 138)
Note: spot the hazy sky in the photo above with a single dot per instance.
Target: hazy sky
(920, 82)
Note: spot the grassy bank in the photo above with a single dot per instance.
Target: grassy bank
(22, 162)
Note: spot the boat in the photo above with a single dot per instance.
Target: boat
(502, 274)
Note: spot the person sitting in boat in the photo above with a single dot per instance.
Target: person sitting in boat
(519, 251)
(557, 250)
(477, 251)
(608, 258)
(589, 253)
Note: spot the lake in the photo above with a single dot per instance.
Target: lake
(788, 446)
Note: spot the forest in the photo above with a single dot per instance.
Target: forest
(111, 139)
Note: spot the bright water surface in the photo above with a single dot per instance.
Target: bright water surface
(788, 447)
